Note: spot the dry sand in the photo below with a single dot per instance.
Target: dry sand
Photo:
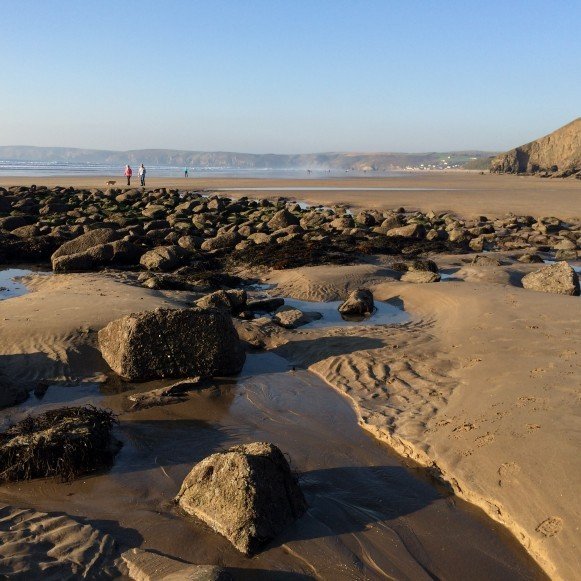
(467, 193)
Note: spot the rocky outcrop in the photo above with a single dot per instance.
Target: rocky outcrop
(172, 343)
(247, 494)
(559, 278)
(558, 153)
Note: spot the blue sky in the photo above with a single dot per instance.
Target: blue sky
(287, 76)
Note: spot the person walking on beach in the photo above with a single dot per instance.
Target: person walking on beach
(142, 173)
(128, 174)
(186, 172)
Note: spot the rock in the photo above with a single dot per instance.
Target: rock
(566, 255)
(558, 278)
(150, 566)
(342, 222)
(172, 343)
(222, 241)
(163, 258)
(410, 231)
(233, 300)
(248, 494)
(26, 231)
(258, 332)
(359, 302)
(174, 393)
(481, 260)
(15, 222)
(92, 259)
(282, 219)
(291, 318)
(85, 241)
(64, 442)
(125, 252)
(530, 259)
(420, 276)
(424, 264)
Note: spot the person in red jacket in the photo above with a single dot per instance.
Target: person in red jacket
(128, 174)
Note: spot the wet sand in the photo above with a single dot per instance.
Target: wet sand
(369, 517)
(467, 193)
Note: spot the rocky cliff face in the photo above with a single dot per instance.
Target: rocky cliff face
(557, 154)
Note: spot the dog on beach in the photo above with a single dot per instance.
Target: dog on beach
(110, 183)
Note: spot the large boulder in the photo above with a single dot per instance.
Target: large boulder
(247, 493)
(558, 278)
(172, 343)
(85, 241)
(90, 259)
(162, 258)
(358, 303)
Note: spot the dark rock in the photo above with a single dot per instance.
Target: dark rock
(172, 343)
(162, 258)
(86, 241)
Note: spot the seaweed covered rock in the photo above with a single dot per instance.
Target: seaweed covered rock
(85, 242)
(162, 258)
(558, 278)
(358, 303)
(64, 442)
(247, 493)
(172, 343)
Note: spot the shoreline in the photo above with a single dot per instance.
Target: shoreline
(468, 194)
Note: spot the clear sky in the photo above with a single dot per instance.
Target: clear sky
(287, 76)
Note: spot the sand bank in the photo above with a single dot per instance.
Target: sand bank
(482, 386)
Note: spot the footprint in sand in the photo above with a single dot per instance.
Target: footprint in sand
(508, 473)
(488, 438)
(550, 527)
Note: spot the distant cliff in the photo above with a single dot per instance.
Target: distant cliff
(557, 154)
(205, 159)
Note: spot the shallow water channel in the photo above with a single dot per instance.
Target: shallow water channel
(369, 516)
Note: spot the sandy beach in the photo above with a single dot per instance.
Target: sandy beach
(468, 193)
(468, 404)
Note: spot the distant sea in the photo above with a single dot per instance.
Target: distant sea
(36, 168)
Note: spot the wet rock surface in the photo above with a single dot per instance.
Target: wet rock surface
(247, 493)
